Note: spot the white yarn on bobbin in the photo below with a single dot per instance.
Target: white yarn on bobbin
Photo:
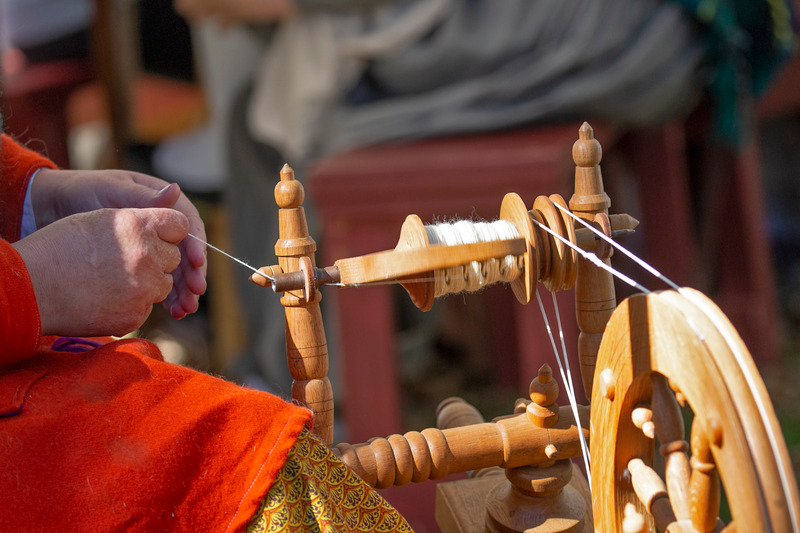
(477, 274)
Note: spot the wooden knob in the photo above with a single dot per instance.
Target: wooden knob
(543, 410)
(642, 418)
(267, 273)
(633, 522)
(289, 193)
(551, 451)
(587, 152)
(455, 412)
(544, 389)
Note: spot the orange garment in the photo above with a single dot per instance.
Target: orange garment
(115, 439)
(20, 329)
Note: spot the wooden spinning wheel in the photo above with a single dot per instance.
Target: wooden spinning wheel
(661, 351)
(640, 361)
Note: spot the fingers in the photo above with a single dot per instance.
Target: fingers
(183, 258)
(170, 196)
(171, 226)
(164, 289)
(121, 189)
(195, 249)
(179, 302)
(188, 284)
(167, 256)
(194, 277)
(167, 196)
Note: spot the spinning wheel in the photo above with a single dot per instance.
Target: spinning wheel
(677, 348)
(641, 362)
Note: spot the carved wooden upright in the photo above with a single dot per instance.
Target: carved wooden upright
(595, 298)
(306, 345)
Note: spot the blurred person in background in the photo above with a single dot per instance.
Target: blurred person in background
(47, 30)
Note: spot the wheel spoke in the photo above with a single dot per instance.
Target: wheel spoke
(705, 488)
(668, 422)
(652, 492)
(634, 521)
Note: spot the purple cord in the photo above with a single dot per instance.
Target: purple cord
(74, 345)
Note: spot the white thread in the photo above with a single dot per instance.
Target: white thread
(574, 402)
(478, 274)
(592, 257)
(226, 254)
(568, 387)
(641, 262)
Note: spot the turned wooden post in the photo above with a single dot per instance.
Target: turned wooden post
(705, 486)
(542, 498)
(306, 346)
(551, 497)
(595, 298)
(668, 425)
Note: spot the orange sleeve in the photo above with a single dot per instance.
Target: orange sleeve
(20, 326)
(17, 165)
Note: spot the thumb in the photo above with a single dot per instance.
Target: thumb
(166, 197)
(171, 226)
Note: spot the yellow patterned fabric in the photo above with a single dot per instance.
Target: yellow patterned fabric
(316, 492)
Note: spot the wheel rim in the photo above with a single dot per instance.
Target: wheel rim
(685, 338)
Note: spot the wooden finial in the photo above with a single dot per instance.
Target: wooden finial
(586, 152)
(543, 410)
(589, 194)
(289, 193)
(595, 298)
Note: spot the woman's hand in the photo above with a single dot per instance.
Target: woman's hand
(99, 273)
(58, 194)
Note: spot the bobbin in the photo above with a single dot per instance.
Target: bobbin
(414, 260)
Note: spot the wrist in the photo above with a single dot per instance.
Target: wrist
(45, 197)
(36, 260)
